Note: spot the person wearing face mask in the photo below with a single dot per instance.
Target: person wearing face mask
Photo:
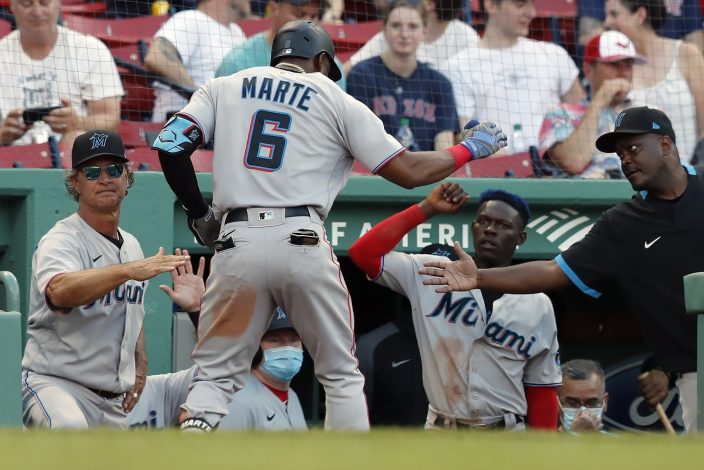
(582, 396)
(266, 403)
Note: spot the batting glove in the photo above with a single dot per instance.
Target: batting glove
(206, 229)
(483, 138)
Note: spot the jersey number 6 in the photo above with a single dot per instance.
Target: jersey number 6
(266, 143)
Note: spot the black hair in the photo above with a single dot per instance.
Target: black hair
(447, 10)
(513, 200)
(656, 11)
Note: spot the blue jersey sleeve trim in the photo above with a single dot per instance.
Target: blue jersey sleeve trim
(387, 159)
(575, 279)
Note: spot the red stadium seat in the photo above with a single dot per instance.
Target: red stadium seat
(143, 159)
(81, 7)
(134, 133)
(5, 28)
(350, 37)
(116, 32)
(28, 156)
(202, 161)
(518, 165)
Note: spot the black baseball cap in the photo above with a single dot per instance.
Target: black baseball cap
(440, 249)
(97, 143)
(640, 120)
(279, 321)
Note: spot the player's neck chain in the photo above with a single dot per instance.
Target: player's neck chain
(290, 67)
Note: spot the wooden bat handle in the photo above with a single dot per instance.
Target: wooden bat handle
(664, 419)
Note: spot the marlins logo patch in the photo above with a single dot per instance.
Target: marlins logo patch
(619, 118)
(98, 140)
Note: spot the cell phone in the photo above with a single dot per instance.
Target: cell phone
(32, 115)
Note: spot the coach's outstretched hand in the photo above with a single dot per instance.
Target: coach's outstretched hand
(460, 275)
(483, 138)
(188, 286)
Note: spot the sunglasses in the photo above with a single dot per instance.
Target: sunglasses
(93, 172)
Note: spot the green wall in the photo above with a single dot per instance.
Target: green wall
(31, 201)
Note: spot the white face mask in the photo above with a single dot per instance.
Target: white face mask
(568, 415)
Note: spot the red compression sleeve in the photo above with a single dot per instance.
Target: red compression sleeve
(542, 408)
(461, 154)
(366, 252)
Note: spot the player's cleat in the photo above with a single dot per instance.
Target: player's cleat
(195, 425)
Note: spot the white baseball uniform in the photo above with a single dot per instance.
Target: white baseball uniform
(475, 365)
(282, 140)
(159, 405)
(71, 352)
(254, 407)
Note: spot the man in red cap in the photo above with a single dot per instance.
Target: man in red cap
(569, 129)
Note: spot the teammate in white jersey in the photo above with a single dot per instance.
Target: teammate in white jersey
(284, 141)
(489, 359)
(266, 403)
(85, 346)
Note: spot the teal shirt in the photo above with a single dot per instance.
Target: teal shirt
(255, 52)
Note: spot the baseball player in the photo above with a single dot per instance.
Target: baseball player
(489, 359)
(646, 245)
(284, 140)
(266, 403)
(84, 364)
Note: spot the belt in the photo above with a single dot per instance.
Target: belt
(106, 395)
(240, 215)
(442, 421)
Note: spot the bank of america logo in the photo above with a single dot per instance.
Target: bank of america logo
(564, 226)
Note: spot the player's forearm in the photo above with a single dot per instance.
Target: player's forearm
(368, 250)
(413, 169)
(181, 177)
(526, 278)
(140, 357)
(71, 290)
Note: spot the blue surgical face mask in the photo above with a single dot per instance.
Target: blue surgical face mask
(282, 363)
(568, 415)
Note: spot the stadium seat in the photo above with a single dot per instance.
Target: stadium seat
(136, 133)
(116, 32)
(350, 37)
(81, 7)
(146, 159)
(5, 28)
(518, 165)
(30, 156)
(202, 161)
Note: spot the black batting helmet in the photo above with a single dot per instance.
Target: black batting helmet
(306, 39)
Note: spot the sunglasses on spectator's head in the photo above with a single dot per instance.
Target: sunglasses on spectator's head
(93, 172)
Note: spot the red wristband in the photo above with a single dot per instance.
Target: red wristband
(461, 155)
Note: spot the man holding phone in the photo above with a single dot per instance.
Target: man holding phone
(54, 81)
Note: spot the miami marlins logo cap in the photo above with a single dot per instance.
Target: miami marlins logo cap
(97, 143)
(279, 321)
(640, 120)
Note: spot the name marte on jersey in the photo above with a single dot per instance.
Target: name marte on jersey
(130, 293)
(284, 92)
(466, 308)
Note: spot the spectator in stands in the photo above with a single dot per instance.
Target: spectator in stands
(266, 403)
(511, 79)
(189, 47)
(684, 21)
(47, 65)
(671, 77)
(445, 36)
(256, 50)
(400, 89)
(569, 129)
(582, 396)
